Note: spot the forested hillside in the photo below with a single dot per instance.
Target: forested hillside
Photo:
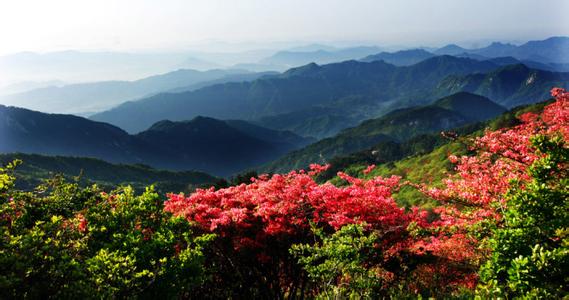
(465, 217)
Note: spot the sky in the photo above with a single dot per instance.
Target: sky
(156, 25)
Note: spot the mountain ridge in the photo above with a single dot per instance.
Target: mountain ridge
(397, 126)
(356, 90)
(205, 144)
(96, 96)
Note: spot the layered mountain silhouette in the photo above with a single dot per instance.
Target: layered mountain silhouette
(551, 50)
(347, 92)
(303, 56)
(204, 144)
(97, 96)
(410, 57)
(320, 100)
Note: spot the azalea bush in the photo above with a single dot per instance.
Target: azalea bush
(511, 196)
(257, 223)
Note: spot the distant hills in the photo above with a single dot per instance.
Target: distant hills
(204, 144)
(23, 130)
(413, 56)
(24, 86)
(97, 96)
(553, 67)
(226, 121)
(317, 54)
(551, 50)
(351, 90)
(320, 100)
(398, 126)
(400, 58)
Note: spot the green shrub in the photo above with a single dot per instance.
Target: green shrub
(64, 241)
(530, 251)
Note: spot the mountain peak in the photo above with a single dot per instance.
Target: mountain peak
(196, 122)
(302, 70)
(471, 106)
(519, 67)
(400, 58)
(450, 49)
(557, 39)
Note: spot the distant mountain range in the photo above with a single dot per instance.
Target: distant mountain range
(224, 147)
(400, 58)
(413, 56)
(319, 101)
(97, 96)
(398, 126)
(205, 144)
(86, 98)
(551, 50)
(303, 56)
(24, 86)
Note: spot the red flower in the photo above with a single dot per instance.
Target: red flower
(82, 226)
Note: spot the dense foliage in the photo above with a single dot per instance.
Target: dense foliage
(512, 196)
(63, 241)
(530, 245)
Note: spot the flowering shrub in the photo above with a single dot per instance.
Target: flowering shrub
(257, 223)
(502, 156)
(478, 201)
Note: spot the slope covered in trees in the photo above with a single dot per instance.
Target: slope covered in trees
(498, 229)
(395, 127)
(38, 168)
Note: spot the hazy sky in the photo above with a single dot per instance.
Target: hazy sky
(43, 25)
